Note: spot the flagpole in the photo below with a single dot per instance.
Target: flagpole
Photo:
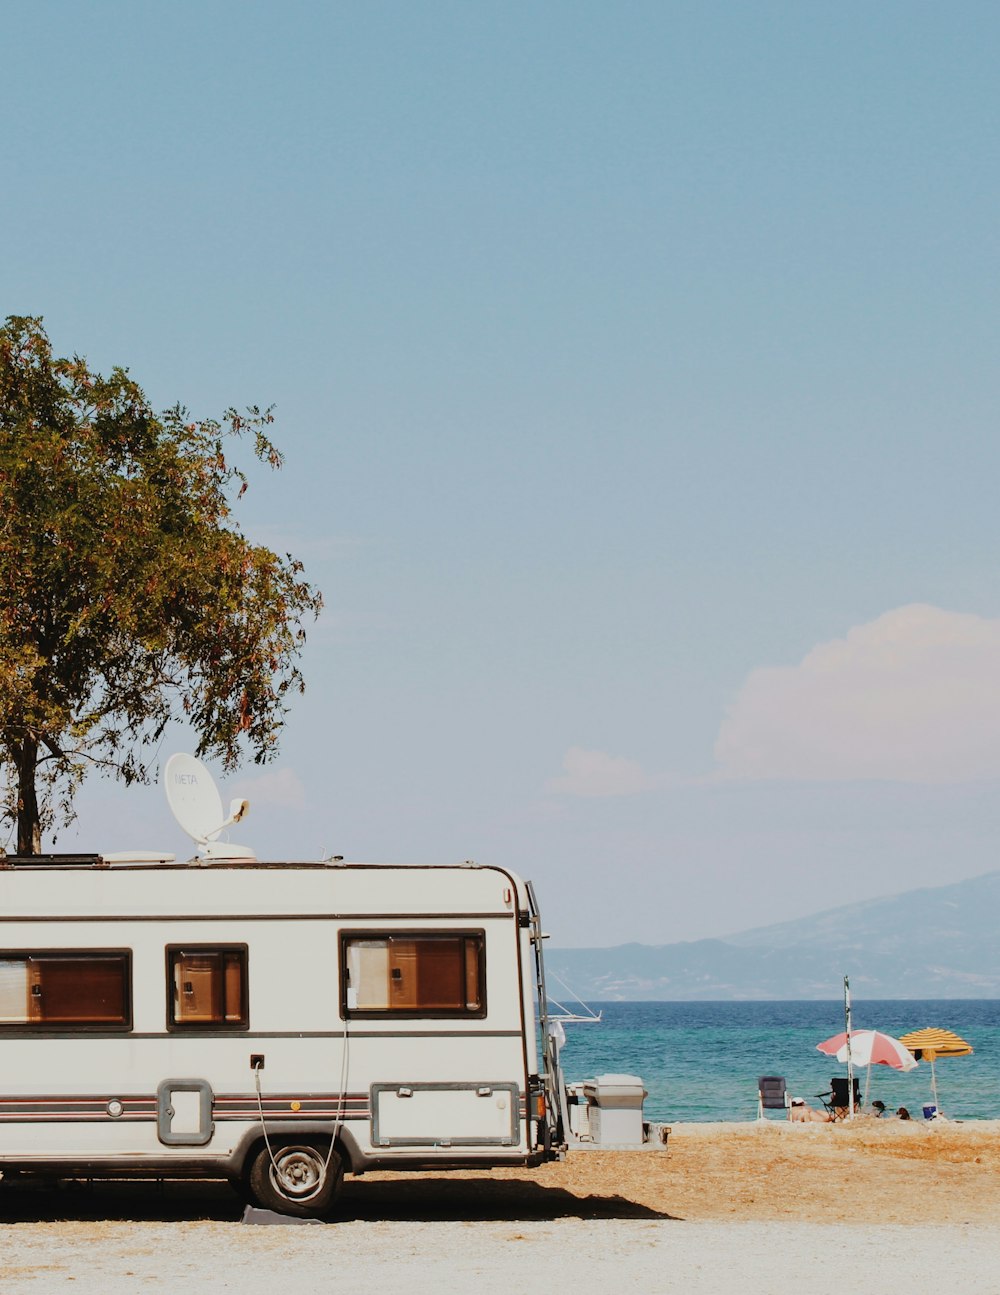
(850, 1059)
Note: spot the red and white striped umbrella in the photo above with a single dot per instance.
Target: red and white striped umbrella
(870, 1048)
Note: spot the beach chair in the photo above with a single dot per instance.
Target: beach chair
(835, 1100)
(772, 1095)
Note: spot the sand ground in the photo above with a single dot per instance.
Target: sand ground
(752, 1209)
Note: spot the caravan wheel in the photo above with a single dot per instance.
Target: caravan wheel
(297, 1180)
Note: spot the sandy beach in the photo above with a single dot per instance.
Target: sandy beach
(734, 1207)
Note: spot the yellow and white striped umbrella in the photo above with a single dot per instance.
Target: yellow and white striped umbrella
(930, 1044)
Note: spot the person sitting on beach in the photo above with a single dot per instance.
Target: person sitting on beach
(800, 1113)
(879, 1109)
(903, 1113)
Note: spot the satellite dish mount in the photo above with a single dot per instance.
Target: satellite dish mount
(196, 804)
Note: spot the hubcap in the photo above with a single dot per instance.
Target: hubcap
(297, 1172)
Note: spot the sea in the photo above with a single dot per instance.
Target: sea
(701, 1061)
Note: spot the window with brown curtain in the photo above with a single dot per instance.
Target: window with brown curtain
(208, 987)
(414, 974)
(71, 989)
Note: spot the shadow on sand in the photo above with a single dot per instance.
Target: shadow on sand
(369, 1199)
(510, 1200)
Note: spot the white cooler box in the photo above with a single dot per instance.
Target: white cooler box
(614, 1104)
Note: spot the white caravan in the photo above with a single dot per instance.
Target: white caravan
(270, 1024)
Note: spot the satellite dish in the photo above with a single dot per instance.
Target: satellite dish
(195, 802)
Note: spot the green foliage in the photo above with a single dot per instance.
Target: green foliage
(128, 596)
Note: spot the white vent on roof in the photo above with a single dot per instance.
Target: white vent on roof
(138, 857)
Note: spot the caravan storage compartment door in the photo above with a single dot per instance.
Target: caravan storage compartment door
(444, 1115)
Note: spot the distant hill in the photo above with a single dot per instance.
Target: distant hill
(939, 942)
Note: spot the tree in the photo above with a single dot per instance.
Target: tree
(128, 596)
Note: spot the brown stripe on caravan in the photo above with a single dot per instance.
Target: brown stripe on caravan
(229, 1106)
(241, 1106)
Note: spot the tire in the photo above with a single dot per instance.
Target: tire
(298, 1182)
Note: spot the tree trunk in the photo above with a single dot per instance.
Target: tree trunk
(29, 828)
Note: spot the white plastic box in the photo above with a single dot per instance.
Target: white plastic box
(614, 1105)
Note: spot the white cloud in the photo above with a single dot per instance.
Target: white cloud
(277, 787)
(595, 773)
(913, 696)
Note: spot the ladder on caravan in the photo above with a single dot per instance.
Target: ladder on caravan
(552, 1077)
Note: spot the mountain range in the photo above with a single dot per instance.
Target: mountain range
(936, 942)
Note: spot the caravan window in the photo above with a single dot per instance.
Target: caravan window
(70, 990)
(207, 986)
(411, 974)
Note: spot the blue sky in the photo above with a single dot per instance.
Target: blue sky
(621, 354)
